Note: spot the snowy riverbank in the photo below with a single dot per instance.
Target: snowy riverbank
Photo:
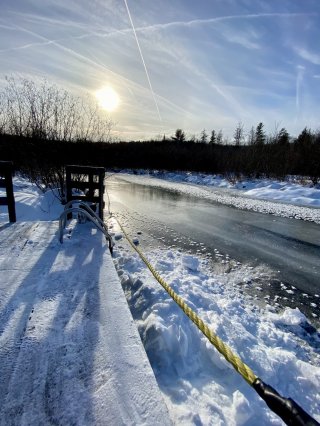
(281, 346)
(199, 387)
(287, 199)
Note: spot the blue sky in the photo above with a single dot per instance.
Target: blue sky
(206, 64)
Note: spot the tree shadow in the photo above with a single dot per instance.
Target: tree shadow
(49, 333)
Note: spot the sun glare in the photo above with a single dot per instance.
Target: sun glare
(108, 98)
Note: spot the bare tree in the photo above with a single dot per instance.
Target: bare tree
(192, 138)
(238, 135)
(46, 111)
(219, 139)
(251, 136)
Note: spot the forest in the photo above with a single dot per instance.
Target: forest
(43, 128)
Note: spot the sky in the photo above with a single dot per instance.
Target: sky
(208, 64)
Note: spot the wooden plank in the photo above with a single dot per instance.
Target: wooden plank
(6, 170)
(3, 201)
(11, 202)
(85, 170)
(84, 185)
(6, 166)
(90, 185)
(85, 198)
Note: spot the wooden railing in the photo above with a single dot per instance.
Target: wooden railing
(6, 171)
(90, 181)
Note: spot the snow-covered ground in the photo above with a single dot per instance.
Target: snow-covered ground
(288, 191)
(70, 353)
(31, 203)
(287, 199)
(199, 387)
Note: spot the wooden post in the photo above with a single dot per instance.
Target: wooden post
(89, 186)
(6, 171)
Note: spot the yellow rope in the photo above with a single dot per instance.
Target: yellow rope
(233, 359)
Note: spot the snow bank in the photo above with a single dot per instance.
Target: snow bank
(285, 192)
(286, 199)
(31, 203)
(199, 386)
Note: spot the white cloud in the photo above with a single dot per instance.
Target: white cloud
(241, 39)
(206, 73)
(312, 57)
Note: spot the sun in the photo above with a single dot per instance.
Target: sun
(107, 98)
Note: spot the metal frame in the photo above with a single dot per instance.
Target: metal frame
(84, 209)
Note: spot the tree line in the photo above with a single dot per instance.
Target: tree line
(42, 129)
(300, 157)
(255, 136)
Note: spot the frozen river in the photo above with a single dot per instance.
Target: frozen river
(288, 250)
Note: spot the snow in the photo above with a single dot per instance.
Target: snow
(292, 317)
(31, 203)
(199, 387)
(191, 263)
(70, 352)
(287, 199)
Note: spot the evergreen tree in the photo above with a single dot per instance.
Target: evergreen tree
(305, 137)
(213, 137)
(179, 136)
(260, 136)
(203, 136)
(283, 137)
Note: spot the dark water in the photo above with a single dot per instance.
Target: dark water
(288, 249)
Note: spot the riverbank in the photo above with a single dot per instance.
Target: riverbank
(288, 199)
(279, 343)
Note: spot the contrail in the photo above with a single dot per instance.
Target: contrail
(88, 61)
(196, 22)
(144, 64)
(299, 81)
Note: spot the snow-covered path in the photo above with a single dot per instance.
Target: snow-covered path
(69, 350)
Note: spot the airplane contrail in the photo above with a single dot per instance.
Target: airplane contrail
(299, 81)
(196, 22)
(90, 62)
(144, 64)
